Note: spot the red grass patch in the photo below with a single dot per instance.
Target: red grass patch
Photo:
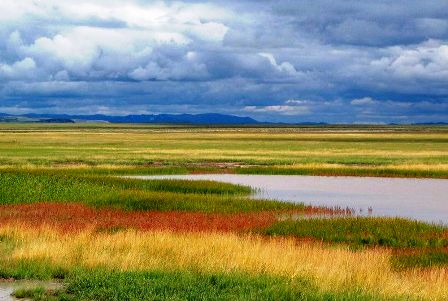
(74, 217)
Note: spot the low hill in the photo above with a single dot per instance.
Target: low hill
(210, 118)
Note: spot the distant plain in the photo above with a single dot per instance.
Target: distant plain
(403, 151)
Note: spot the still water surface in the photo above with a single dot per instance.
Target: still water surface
(7, 288)
(421, 199)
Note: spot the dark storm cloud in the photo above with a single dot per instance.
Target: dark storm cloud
(335, 61)
(375, 23)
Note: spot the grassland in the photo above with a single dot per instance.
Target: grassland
(364, 231)
(65, 215)
(413, 243)
(412, 151)
(334, 272)
(131, 194)
(175, 286)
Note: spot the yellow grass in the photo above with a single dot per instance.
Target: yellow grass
(274, 146)
(332, 268)
(410, 167)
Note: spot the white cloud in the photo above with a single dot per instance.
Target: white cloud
(228, 54)
(363, 101)
(185, 65)
(62, 76)
(19, 70)
(14, 42)
(86, 50)
(285, 67)
(12, 10)
(73, 55)
(279, 109)
(428, 60)
(296, 102)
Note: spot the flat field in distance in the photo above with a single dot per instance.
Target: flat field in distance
(402, 151)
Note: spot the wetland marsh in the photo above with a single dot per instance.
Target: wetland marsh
(67, 213)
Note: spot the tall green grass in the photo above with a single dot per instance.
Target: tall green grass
(362, 170)
(105, 285)
(415, 244)
(365, 231)
(432, 258)
(132, 194)
(110, 171)
(179, 186)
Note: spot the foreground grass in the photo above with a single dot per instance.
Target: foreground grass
(329, 270)
(131, 194)
(365, 151)
(415, 244)
(158, 285)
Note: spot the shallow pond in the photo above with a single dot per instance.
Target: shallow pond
(422, 199)
(7, 288)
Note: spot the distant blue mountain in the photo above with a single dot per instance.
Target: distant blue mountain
(200, 119)
(432, 123)
(210, 118)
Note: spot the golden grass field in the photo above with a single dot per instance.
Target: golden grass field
(332, 269)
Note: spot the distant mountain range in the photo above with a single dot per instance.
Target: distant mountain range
(199, 119)
(210, 118)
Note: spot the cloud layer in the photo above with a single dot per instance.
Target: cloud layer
(320, 60)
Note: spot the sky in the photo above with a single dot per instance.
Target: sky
(284, 61)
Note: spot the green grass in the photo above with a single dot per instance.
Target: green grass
(183, 186)
(357, 171)
(422, 260)
(110, 171)
(154, 285)
(76, 163)
(132, 194)
(426, 240)
(42, 294)
(403, 151)
(30, 270)
(110, 285)
(365, 231)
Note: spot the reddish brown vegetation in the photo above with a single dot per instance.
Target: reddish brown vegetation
(74, 217)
